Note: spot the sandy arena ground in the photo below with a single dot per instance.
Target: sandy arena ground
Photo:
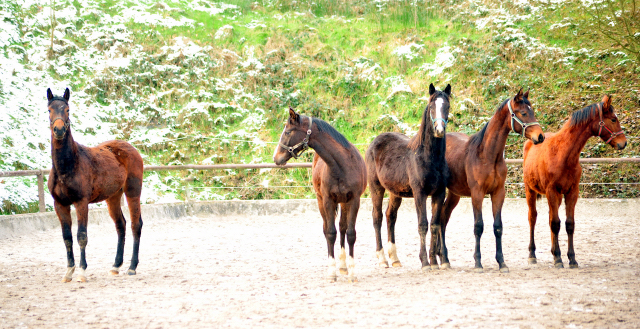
(268, 272)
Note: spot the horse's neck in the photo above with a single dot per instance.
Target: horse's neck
(330, 151)
(495, 137)
(577, 137)
(64, 154)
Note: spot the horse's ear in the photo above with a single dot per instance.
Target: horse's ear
(293, 116)
(432, 89)
(49, 94)
(67, 94)
(606, 103)
(526, 95)
(447, 90)
(518, 96)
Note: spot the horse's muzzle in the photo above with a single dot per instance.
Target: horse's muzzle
(59, 132)
(539, 140)
(621, 146)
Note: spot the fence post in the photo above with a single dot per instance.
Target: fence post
(40, 176)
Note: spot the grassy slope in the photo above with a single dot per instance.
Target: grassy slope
(309, 53)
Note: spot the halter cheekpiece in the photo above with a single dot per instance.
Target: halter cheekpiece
(524, 125)
(304, 143)
(602, 125)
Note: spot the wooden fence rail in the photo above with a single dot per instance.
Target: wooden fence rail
(40, 173)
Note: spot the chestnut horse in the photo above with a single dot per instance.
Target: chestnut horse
(81, 175)
(411, 168)
(339, 178)
(477, 167)
(553, 169)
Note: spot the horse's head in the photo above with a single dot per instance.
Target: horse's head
(294, 139)
(438, 108)
(58, 114)
(523, 119)
(608, 127)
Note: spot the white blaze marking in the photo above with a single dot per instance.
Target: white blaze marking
(439, 123)
(278, 146)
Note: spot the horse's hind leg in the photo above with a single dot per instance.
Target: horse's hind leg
(115, 211)
(392, 216)
(329, 228)
(132, 190)
(82, 211)
(533, 216)
(352, 211)
(554, 198)
(570, 200)
(64, 215)
(377, 193)
(342, 265)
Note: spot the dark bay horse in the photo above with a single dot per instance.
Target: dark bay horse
(411, 168)
(339, 178)
(553, 169)
(477, 167)
(81, 175)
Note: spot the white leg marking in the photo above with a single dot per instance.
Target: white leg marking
(114, 271)
(393, 255)
(342, 264)
(278, 146)
(382, 260)
(67, 276)
(351, 263)
(331, 269)
(81, 277)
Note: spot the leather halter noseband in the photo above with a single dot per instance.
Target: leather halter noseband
(602, 125)
(304, 143)
(67, 123)
(524, 125)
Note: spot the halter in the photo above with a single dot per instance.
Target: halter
(67, 123)
(524, 125)
(433, 121)
(601, 124)
(304, 143)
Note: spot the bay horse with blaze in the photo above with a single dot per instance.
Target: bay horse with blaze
(478, 168)
(553, 169)
(411, 168)
(339, 178)
(82, 175)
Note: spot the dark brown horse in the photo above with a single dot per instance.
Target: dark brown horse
(339, 178)
(81, 175)
(477, 167)
(553, 169)
(411, 168)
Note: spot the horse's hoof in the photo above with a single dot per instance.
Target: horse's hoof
(331, 279)
(81, 278)
(559, 265)
(478, 269)
(344, 271)
(504, 269)
(396, 264)
(533, 261)
(114, 271)
(445, 266)
(573, 265)
(131, 272)
(353, 279)
(426, 269)
(65, 279)
(384, 264)
(435, 267)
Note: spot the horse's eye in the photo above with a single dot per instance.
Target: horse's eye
(287, 133)
(613, 120)
(524, 114)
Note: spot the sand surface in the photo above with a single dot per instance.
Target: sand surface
(268, 272)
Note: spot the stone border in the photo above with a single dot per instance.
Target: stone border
(15, 225)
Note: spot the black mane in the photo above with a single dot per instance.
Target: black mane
(583, 116)
(328, 129)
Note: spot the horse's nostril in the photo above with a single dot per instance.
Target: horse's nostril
(540, 138)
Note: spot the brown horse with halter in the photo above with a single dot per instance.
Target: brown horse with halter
(478, 168)
(553, 169)
(339, 178)
(81, 175)
(411, 168)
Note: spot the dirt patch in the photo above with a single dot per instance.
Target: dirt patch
(268, 271)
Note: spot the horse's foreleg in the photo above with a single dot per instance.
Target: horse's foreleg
(64, 215)
(533, 216)
(570, 200)
(423, 227)
(342, 263)
(377, 193)
(392, 216)
(136, 228)
(115, 211)
(478, 226)
(82, 211)
(352, 211)
(497, 200)
(329, 228)
(554, 198)
(438, 245)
